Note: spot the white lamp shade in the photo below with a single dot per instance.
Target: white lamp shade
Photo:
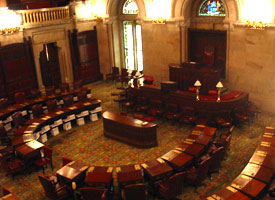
(129, 70)
(197, 83)
(219, 85)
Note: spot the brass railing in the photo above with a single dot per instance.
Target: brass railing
(44, 15)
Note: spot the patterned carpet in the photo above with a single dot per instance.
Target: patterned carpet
(88, 144)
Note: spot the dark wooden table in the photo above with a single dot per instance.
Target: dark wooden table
(129, 130)
(258, 172)
(249, 186)
(156, 169)
(178, 159)
(29, 150)
(73, 171)
(263, 159)
(22, 139)
(228, 193)
(129, 174)
(193, 149)
(98, 176)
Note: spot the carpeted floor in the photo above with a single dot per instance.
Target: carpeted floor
(88, 144)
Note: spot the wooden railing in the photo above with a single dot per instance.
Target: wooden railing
(44, 15)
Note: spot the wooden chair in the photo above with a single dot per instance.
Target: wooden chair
(173, 186)
(68, 100)
(51, 105)
(47, 159)
(64, 87)
(20, 97)
(4, 103)
(53, 190)
(172, 111)
(114, 75)
(34, 93)
(82, 96)
(217, 157)
(12, 166)
(50, 90)
(134, 192)
(188, 115)
(156, 108)
(196, 174)
(65, 161)
(124, 77)
(94, 193)
(223, 119)
(37, 110)
(18, 119)
(78, 84)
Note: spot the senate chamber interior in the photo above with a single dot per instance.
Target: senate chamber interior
(137, 99)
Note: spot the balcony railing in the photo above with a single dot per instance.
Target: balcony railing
(45, 15)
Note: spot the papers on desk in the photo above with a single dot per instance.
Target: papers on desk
(190, 140)
(137, 167)
(160, 160)
(110, 169)
(235, 186)
(176, 151)
(118, 169)
(261, 153)
(270, 128)
(28, 132)
(265, 144)
(24, 112)
(72, 107)
(201, 126)
(144, 165)
(59, 112)
(231, 189)
(87, 104)
(194, 132)
(187, 142)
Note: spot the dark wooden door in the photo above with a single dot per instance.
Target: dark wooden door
(85, 59)
(49, 65)
(199, 40)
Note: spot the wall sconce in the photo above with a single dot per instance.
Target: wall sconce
(219, 86)
(197, 85)
(9, 21)
(159, 20)
(255, 25)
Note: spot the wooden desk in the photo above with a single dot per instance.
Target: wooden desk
(22, 139)
(10, 196)
(263, 160)
(200, 139)
(210, 131)
(129, 130)
(98, 176)
(228, 101)
(249, 186)
(129, 174)
(29, 150)
(73, 171)
(177, 159)
(156, 169)
(192, 149)
(258, 172)
(228, 193)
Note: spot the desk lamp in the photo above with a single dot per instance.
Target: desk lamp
(219, 86)
(197, 85)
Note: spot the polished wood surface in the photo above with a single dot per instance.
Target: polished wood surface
(157, 169)
(30, 149)
(178, 160)
(22, 139)
(129, 174)
(98, 176)
(129, 130)
(73, 171)
(192, 149)
(249, 186)
(229, 100)
(228, 193)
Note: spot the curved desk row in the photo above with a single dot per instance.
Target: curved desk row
(5, 114)
(182, 98)
(36, 126)
(257, 174)
(129, 130)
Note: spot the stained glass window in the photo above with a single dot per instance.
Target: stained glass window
(130, 7)
(212, 8)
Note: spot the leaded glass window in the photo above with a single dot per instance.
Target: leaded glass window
(130, 7)
(212, 8)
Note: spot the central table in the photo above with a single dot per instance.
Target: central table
(129, 130)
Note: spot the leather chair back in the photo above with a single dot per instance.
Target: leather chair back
(82, 96)
(20, 97)
(88, 193)
(68, 100)
(34, 93)
(37, 110)
(64, 87)
(18, 119)
(134, 192)
(51, 105)
(78, 84)
(50, 90)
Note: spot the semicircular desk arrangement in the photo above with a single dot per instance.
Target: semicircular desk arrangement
(254, 180)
